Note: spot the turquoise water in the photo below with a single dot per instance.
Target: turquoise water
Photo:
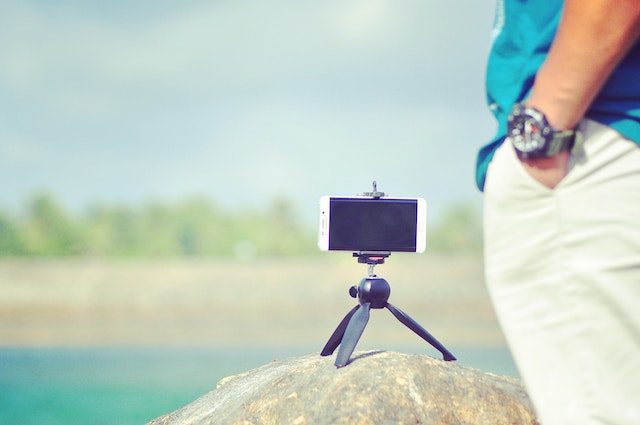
(134, 385)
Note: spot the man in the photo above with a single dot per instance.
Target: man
(562, 203)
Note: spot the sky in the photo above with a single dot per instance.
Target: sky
(242, 101)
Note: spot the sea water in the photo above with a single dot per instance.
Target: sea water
(135, 385)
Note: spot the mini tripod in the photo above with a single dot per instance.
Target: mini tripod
(372, 292)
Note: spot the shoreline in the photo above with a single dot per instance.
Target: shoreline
(81, 302)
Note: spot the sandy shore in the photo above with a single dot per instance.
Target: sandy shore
(292, 302)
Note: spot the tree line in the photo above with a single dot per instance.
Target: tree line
(194, 227)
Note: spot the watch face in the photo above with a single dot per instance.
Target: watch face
(528, 130)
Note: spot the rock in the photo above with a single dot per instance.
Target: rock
(377, 387)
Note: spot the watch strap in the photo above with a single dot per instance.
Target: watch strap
(561, 141)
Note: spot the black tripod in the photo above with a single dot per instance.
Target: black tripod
(372, 292)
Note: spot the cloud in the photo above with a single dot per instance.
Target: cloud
(237, 98)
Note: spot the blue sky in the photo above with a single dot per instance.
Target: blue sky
(243, 100)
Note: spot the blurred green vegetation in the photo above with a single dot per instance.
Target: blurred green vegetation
(195, 227)
(458, 230)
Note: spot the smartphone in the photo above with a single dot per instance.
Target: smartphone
(361, 223)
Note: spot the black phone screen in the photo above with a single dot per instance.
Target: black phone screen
(357, 224)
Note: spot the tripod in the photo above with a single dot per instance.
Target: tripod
(372, 292)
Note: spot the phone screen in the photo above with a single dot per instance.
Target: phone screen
(367, 224)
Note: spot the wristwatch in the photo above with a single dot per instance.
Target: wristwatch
(532, 135)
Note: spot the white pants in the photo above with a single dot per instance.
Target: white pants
(563, 270)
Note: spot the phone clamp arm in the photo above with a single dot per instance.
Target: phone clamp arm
(375, 194)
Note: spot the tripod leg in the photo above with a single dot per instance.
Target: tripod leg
(352, 334)
(336, 337)
(422, 332)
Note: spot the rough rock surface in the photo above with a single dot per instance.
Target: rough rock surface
(375, 388)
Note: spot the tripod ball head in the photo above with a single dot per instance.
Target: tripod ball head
(375, 290)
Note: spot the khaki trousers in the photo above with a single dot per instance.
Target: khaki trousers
(563, 269)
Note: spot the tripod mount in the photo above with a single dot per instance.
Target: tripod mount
(372, 292)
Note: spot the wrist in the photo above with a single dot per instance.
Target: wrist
(559, 117)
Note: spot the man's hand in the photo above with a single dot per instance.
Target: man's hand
(548, 171)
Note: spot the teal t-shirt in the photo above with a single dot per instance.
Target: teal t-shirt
(522, 34)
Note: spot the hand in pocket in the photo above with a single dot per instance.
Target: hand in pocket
(548, 171)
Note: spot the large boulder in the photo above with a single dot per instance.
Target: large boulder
(377, 387)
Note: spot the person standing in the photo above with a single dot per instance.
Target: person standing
(561, 184)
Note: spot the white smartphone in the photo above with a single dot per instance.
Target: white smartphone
(360, 223)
